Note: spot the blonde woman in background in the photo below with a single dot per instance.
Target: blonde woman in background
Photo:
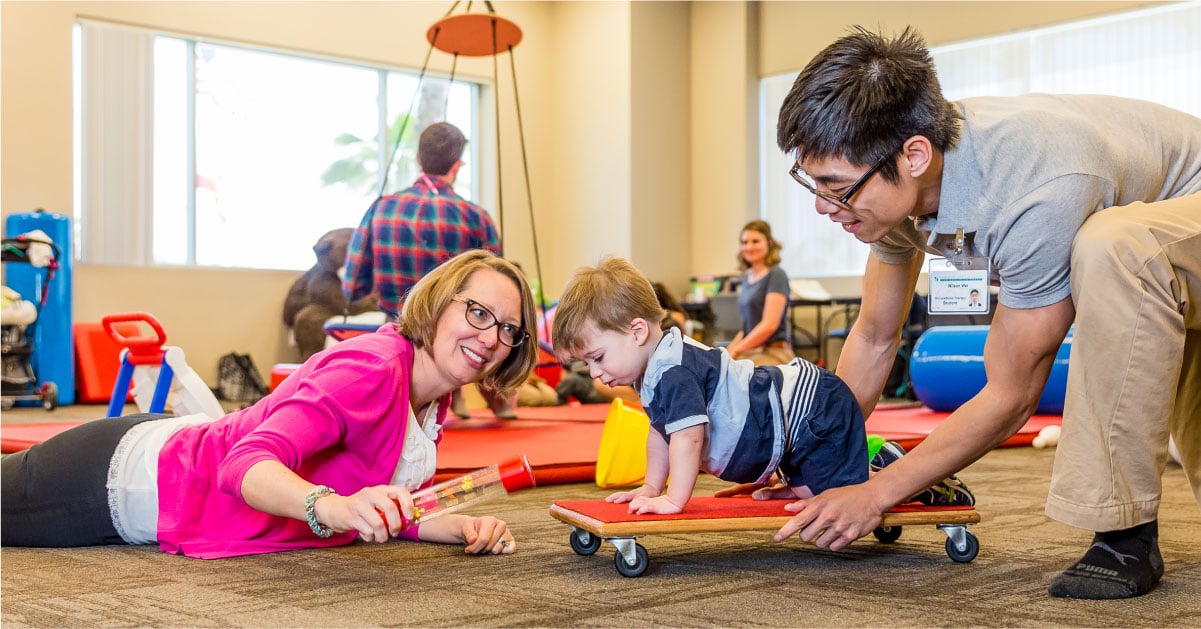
(766, 337)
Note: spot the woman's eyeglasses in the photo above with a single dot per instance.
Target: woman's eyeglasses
(481, 318)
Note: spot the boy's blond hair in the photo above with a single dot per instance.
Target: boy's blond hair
(608, 296)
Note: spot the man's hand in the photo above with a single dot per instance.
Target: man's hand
(834, 518)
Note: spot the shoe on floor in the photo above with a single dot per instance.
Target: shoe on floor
(504, 411)
(889, 453)
(949, 492)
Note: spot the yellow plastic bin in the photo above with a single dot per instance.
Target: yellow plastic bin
(621, 460)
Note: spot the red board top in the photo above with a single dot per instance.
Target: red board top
(708, 507)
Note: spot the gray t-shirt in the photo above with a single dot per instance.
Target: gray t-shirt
(751, 298)
(1029, 170)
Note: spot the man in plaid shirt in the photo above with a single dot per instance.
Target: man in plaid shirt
(405, 235)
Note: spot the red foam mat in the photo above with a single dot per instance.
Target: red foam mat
(909, 426)
(567, 412)
(17, 437)
(559, 450)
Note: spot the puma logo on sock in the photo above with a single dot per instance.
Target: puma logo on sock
(1121, 557)
(1097, 569)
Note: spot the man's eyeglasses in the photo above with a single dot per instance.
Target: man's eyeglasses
(843, 201)
(481, 318)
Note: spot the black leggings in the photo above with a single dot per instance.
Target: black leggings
(54, 494)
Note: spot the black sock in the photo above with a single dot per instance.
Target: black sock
(1118, 564)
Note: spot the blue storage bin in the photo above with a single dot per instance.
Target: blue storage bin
(53, 357)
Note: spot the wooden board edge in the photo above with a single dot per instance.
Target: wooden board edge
(957, 516)
(652, 527)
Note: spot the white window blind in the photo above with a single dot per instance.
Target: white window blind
(1150, 54)
(116, 140)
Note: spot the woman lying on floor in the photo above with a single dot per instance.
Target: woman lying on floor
(314, 463)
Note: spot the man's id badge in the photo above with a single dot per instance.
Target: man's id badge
(957, 291)
(959, 283)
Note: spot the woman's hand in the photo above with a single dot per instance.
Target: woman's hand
(645, 491)
(378, 513)
(487, 535)
(480, 536)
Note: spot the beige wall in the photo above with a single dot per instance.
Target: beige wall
(589, 213)
(724, 143)
(658, 165)
(640, 122)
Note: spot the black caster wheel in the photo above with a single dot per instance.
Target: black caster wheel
(641, 563)
(967, 554)
(49, 395)
(887, 534)
(580, 546)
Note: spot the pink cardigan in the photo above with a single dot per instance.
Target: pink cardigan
(339, 421)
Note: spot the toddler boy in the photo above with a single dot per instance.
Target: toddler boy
(709, 412)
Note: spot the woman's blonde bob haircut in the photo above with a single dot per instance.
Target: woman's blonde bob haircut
(609, 297)
(434, 292)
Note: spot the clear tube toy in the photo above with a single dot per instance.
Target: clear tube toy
(459, 493)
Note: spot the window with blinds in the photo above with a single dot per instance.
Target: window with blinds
(204, 153)
(1150, 54)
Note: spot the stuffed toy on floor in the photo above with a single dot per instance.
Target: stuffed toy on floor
(317, 295)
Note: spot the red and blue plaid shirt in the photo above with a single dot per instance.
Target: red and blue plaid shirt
(405, 235)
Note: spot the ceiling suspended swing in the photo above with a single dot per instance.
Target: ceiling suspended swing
(480, 35)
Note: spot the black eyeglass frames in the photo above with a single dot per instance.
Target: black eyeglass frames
(481, 318)
(843, 201)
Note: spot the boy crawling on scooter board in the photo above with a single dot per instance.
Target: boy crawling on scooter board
(709, 412)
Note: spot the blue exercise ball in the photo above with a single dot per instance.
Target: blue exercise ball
(947, 368)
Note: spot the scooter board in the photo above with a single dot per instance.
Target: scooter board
(593, 521)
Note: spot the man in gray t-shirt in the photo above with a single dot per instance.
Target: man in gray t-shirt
(1087, 210)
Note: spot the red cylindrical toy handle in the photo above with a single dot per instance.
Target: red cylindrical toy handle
(516, 474)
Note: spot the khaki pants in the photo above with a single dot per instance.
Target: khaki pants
(1134, 376)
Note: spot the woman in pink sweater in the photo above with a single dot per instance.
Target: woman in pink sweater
(314, 463)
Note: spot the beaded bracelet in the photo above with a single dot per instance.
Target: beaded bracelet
(310, 502)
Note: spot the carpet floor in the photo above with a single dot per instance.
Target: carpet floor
(734, 579)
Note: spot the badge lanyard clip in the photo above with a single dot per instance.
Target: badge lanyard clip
(962, 248)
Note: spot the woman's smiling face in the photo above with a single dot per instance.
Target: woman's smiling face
(463, 352)
(753, 247)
